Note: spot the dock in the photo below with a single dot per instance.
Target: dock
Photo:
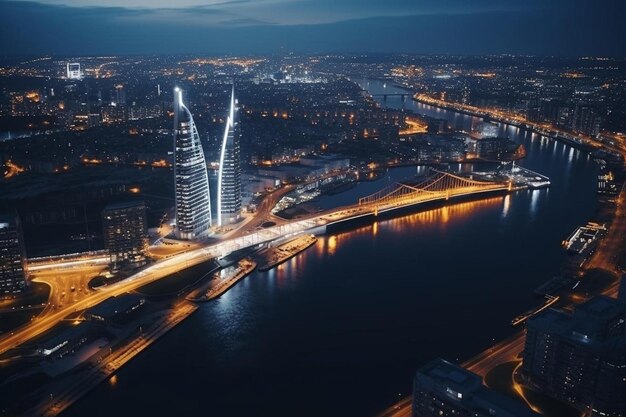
(274, 256)
(519, 177)
(222, 281)
(585, 238)
(531, 179)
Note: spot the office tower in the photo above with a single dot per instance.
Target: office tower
(580, 358)
(113, 114)
(12, 259)
(73, 71)
(229, 175)
(586, 120)
(125, 234)
(120, 95)
(442, 389)
(193, 206)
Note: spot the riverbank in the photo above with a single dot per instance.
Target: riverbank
(61, 393)
(569, 139)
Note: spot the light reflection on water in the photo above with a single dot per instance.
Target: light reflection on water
(439, 218)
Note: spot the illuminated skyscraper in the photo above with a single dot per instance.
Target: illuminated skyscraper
(193, 205)
(12, 265)
(229, 175)
(72, 71)
(124, 232)
(120, 95)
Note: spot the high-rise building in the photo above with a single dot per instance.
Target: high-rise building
(229, 174)
(12, 259)
(193, 205)
(580, 358)
(72, 71)
(586, 120)
(120, 95)
(442, 389)
(125, 233)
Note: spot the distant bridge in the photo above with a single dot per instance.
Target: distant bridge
(403, 96)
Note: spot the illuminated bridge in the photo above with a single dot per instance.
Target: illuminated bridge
(441, 185)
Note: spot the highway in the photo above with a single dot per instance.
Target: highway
(86, 260)
(68, 285)
(154, 272)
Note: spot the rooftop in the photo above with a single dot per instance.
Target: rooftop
(125, 204)
(457, 385)
(588, 324)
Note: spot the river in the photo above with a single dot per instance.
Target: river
(341, 328)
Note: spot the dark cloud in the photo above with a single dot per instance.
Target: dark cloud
(558, 27)
(245, 21)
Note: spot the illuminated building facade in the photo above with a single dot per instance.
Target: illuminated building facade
(193, 206)
(229, 175)
(12, 265)
(580, 358)
(125, 232)
(120, 95)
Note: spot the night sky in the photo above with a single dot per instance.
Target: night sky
(537, 27)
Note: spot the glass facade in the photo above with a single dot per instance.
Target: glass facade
(229, 175)
(124, 229)
(193, 206)
(12, 265)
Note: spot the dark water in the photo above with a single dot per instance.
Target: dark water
(341, 328)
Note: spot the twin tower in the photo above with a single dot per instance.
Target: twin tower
(193, 197)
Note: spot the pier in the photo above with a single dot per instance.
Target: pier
(222, 281)
(274, 256)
